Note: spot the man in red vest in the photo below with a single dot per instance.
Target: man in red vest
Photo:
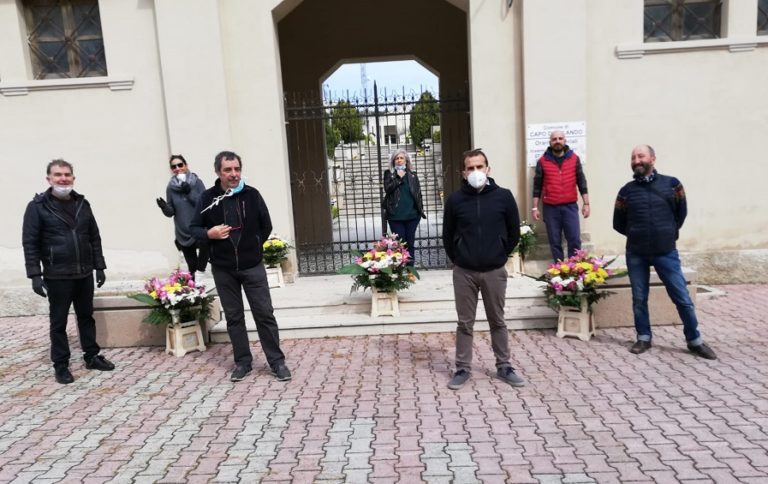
(558, 175)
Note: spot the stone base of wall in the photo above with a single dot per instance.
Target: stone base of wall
(119, 323)
(616, 310)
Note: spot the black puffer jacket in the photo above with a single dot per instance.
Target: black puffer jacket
(392, 184)
(650, 214)
(237, 252)
(66, 251)
(480, 229)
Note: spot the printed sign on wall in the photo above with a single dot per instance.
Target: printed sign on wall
(537, 139)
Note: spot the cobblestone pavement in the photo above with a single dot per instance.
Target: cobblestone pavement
(377, 409)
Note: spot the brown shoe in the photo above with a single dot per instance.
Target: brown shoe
(703, 351)
(640, 346)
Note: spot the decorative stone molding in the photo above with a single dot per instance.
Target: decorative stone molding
(24, 88)
(733, 44)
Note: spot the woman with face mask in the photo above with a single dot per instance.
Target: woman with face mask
(183, 190)
(402, 203)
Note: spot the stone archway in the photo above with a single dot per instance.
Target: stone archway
(317, 35)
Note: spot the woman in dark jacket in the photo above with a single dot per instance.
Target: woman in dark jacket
(183, 190)
(402, 202)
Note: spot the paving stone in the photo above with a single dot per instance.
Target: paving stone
(376, 409)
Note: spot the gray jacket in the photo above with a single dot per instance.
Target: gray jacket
(181, 206)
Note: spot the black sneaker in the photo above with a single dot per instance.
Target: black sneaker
(100, 363)
(281, 372)
(459, 379)
(703, 351)
(640, 346)
(239, 373)
(63, 375)
(507, 374)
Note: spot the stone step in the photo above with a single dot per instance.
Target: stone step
(322, 306)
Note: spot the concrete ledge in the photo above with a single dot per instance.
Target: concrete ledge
(119, 323)
(616, 310)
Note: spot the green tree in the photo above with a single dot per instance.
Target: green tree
(424, 115)
(332, 138)
(348, 121)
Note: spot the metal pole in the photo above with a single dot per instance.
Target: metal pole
(376, 115)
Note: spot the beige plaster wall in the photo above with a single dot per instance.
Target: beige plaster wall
(702, 110)
(117, 141)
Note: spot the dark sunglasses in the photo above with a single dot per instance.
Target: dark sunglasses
(177, 166)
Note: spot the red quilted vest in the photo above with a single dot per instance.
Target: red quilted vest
(559, 184)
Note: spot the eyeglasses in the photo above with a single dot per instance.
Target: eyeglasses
(177, 166)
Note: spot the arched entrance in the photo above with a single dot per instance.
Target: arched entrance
(315, 37)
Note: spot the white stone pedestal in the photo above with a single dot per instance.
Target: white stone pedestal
(576, 322)
(275, 276)
(384, 303)
(515, 266)
(181, 337)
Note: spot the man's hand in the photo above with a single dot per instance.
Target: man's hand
(38, 285)
(219, 232)
(535, 214)
(101, 278)
(185, 187)
(162, 204)
(585, 210)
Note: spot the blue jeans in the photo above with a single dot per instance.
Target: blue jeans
(406, 229)
(671, 274)
(561, 219)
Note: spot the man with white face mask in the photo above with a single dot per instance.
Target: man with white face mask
(183, 190)
(481, 226)
(60, 232)
(233, 218)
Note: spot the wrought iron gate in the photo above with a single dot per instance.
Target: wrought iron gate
(336, 183)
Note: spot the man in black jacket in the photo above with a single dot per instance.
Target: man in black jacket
(233, 218)
(481, 227)
(60, 232)
(650, 210)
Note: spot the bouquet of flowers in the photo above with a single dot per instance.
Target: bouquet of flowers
(384, 266)
(576, 278)
(275, 251)
(177, 293)
(527, 240)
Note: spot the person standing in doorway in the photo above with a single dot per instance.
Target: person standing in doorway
(481, 226)
(183, 191)
(558, 175)
(403, 204)
(60, 232)
(650, 211)
(233, 218)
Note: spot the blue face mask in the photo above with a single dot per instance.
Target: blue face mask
(239, 187)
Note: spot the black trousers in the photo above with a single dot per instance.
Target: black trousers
(196, 256)
(63, 293)
(230, 285)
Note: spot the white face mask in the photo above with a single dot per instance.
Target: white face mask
(182, 177)
(477, 179)
(62, 191)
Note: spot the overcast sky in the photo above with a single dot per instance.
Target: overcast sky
(391, 76)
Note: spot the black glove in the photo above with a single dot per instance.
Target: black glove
(101, 278)
(185, 187)
(38, 285)
(162, 204)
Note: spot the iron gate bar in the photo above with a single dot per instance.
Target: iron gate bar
(350, 181)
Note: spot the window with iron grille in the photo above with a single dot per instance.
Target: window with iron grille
(762, 17)
(64, 38)
(671, 20)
